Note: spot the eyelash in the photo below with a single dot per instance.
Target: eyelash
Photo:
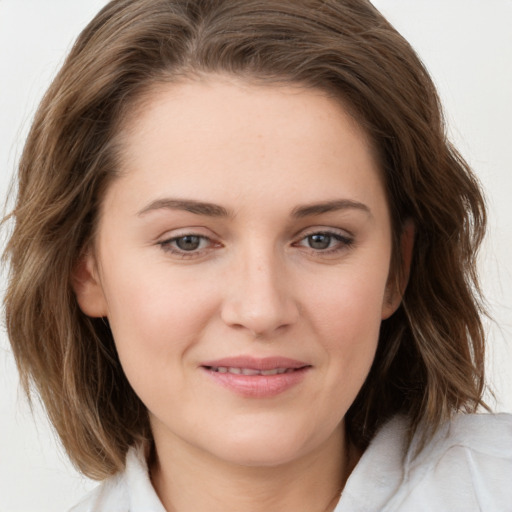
(343, 242)
(167, 246)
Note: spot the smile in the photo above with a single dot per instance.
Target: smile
(250, 371)
(251, 377)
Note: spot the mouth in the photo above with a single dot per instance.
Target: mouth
(250, 371)
(254, 366)
(257, 378)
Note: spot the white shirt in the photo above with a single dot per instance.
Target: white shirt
(466, 467)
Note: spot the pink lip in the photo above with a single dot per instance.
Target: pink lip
(255, 363)
(257, 386)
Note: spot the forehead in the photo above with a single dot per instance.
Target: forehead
(202, 102)
(226, 137)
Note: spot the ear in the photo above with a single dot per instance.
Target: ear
(398, 283)
(87, 286)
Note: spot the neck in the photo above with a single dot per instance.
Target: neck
(187, 480)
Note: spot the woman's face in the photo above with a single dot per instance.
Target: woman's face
(242, 261)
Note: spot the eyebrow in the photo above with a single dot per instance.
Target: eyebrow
(188, 205)
(329, 206)
(215, 210)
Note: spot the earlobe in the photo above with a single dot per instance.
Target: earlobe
(398, 283)
(87, 287)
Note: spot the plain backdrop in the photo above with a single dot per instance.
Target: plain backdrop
(466, 45)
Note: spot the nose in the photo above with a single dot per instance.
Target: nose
(259, 298)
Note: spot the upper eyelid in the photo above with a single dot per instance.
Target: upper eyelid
(324, 229)
(168, 240)
(343, 239)
(176, 237)
(172, 234)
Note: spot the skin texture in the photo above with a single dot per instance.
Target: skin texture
(255, 286)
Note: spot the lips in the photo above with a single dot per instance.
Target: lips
(250, 371)
(254, 363)
(256, 377)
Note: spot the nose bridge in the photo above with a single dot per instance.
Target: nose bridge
(259, 296)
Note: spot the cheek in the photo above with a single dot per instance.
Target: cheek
(156, 326)
(344, 317)
(156, 316)
(351, 304)
(351, 336)
(347, 317)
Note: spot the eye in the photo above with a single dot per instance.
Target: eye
(188, 242)
(326, 241)
(187, 245)
(320, 241)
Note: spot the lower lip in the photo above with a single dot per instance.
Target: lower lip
(258, 386)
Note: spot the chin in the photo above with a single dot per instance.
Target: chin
(262, 455)
(268, 448)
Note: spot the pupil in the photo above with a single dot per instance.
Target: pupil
(188, 243)
(319, 241)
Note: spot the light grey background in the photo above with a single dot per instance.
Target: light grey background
(467, 46)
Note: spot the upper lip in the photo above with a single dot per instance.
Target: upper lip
(255, 363)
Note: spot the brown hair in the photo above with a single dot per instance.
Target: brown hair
(429, 361)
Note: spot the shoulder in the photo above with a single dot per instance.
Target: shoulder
(110, 496)
(485, 432)
(466, 466)
(468, 439)
(129, 491)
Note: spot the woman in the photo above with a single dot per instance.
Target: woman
(242, 269)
